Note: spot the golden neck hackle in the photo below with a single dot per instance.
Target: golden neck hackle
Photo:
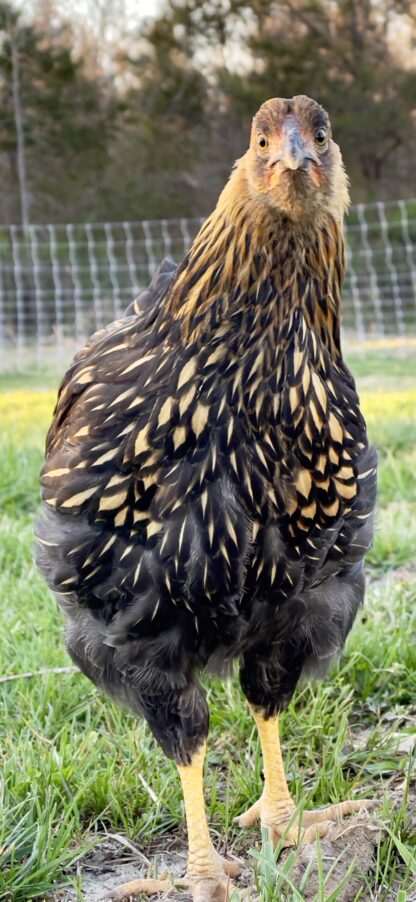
(246, 245)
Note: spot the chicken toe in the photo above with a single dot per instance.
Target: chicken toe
(149, 886)
(303, 828)
(338, 811)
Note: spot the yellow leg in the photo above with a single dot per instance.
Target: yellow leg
(208, 872)
(276, 795)
(276, 805)
(201, 853)
(276, 808)
(206, 868)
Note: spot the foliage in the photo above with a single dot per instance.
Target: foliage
(66, 121)
(153, 132)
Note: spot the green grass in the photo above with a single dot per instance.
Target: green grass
(72, 764)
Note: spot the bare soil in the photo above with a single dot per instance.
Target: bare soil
(355, 840)
(351, 844)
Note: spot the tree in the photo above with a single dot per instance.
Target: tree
(164, 123)
(112, 122)
(341, 53)
(63, 121)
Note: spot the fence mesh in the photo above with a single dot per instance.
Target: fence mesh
(61, 282)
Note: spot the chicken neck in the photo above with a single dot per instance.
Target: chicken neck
(248, 257)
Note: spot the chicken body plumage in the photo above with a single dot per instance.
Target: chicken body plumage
(208, 487)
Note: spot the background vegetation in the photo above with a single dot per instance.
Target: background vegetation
(124, 117)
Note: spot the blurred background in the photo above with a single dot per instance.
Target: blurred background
(120, 120)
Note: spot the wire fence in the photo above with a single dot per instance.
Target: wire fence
(58, 283)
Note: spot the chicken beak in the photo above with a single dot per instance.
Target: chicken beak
(296, 154)
(292, 154)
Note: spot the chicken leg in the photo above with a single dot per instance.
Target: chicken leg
(208, 872)
(276, 809)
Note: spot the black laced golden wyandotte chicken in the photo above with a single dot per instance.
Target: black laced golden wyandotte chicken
(208, 487)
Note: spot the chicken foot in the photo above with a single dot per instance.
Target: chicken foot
(276, 809)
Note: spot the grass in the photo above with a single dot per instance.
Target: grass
(72, 764)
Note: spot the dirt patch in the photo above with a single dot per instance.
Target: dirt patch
(109, 864)
(405, 573)
(346, 856)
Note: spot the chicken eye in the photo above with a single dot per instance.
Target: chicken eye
(321, 137)
(262, 142)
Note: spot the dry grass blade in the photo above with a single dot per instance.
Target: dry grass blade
(35, 673)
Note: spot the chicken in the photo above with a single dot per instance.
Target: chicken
(208, 487)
